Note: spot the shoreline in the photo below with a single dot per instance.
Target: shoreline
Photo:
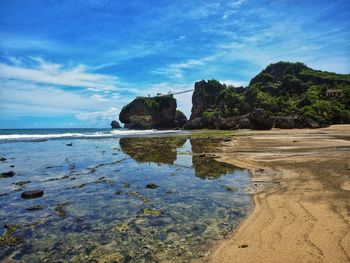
(301, 188)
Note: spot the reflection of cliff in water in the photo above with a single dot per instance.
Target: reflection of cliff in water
(205, 165)
(164, 150)
(152, 149)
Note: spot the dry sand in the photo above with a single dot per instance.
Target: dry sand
(301, 187)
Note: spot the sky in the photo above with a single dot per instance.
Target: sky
(66, 64)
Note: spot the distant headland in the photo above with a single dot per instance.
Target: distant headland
(284, 95)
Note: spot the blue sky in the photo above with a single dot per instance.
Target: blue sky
(77, 63)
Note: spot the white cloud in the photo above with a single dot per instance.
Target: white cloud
(56, 74)
(109, 114)
(232, 8)
(177, 70)
(21, 99)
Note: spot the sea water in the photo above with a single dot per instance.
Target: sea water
(116, 196)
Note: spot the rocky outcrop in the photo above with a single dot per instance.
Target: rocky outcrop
(115, 125)
(260, 120)
(149, 112)
(204, 97)
(196, 123)
(180, 119)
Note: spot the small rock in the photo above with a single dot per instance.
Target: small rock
(21, 183)
(231, 188)
(12, 166)
(36, 207)
(202, 155)
(7, 174)
(69, 144)
(2, 159)
(152, 186)
(32, 194)
(243, 246)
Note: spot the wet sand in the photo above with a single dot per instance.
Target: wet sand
(301, 189)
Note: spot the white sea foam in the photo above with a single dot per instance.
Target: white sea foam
(114, 133)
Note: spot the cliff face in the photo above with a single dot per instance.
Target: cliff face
(204, 97)
(283, 95)
(148, 113)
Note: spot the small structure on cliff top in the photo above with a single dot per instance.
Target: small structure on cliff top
(334, 93)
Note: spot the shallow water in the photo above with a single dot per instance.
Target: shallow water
(96, 204)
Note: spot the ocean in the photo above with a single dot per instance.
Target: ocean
(115, 195)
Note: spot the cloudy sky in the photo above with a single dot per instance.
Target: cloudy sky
(77, 63)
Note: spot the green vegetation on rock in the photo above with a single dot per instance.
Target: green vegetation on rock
(290, 90)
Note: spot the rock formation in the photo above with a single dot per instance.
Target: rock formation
(115, 125)
(149, 113)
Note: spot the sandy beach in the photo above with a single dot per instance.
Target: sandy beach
(301, 189)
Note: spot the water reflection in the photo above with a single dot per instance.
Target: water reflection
(151, 205)
(165, 150)
(152, 149)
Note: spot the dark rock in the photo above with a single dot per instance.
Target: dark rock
(139, 123)
(196, 123)
(21, 183)
(2, 159)
(115, 124)
(203, 98)
(36, 207)
(244, 123)
(69, 144)
(243, 246)
(32, 194)
(284, 123)
(12, 166)
(260, 120)
(310, 123)
(229, 123)
(180, 119)
(149, 112)
(7, 174)
(152, 186)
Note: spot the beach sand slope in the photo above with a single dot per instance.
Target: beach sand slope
(301, 186)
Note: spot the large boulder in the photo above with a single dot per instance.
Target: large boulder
(149, 112)
(229, 123)
(260, 120)
(244, 123)
(284, 122)
(180, 119)
(204, 97)
(196, 123)
(115, 124)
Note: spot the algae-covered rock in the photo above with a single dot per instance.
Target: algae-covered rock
(151, 212)
(9, 238)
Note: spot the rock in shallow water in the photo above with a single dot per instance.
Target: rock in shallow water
(32, 194)
(152, 186)
(7, 174)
